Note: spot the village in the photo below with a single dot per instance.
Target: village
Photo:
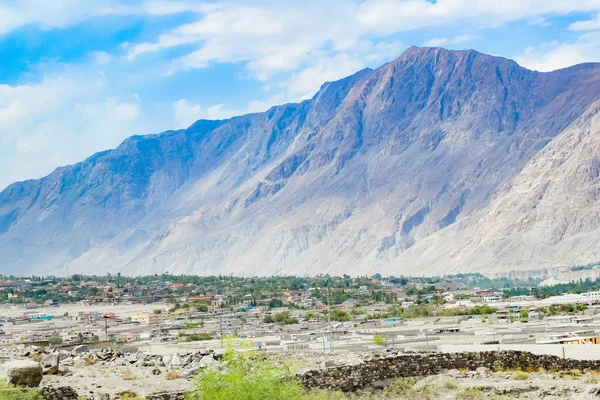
(349, 315)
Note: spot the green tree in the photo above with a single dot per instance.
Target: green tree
(247, 376)
(284, 318)
(339, 315)
(55, 340)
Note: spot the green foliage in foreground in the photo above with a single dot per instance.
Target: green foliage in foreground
(247, 376)
(251, 376)
(8, 392)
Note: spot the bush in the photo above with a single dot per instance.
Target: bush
(284, 318)
(157, 311)
(9, 392)
(520, 376)
(403, 387)
(339, 315)
(55, 340)
(192, 325)
(379, 341)
(195, 338)
(247, 376)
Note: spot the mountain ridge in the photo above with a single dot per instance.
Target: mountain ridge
(236, 194)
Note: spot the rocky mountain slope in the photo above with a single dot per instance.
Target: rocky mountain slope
(548, 215)
(421, 165)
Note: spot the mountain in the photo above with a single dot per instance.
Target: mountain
(419, 166)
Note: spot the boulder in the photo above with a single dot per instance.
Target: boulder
(82, 348)
(197, 366)
(22, 373)
(50, 360)
(132, 358)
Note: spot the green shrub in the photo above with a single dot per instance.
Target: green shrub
(520, 376)
(247, 376)
(378, 340)
(339, 315)
(194, 338)
(284, 318)
(55, 340)
(404, 387)
(451, 385)
(471, 393)
(8, 392)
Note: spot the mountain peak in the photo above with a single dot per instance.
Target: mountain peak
(440, 55)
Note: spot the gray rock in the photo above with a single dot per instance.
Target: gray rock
(166, 359)
(81, 349)
(454, 373)
(132, 358)
(22, 373)
(50, 360)
(198, 366)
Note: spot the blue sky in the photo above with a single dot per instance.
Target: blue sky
(79, 76)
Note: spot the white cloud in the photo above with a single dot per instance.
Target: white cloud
(388, 16)
(59, 121)
(63, 13)
(216, 111)
(589, 25)
(279, 37)
(554, 55)
(186, 113)
(436, 42)
(442, 41)
(304, 83)
(101, 57)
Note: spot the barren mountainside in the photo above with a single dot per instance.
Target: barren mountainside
(439, 161)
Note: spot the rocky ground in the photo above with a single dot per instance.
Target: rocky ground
(485, 384)
(113, 374)
(93, 373)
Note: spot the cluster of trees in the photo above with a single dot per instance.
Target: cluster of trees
(430, 310)
(282, 318)
(194, 338)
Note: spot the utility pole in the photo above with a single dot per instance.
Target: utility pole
(329, 332)
(106, 329)
(221, 329)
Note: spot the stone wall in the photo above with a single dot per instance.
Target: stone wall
(353, 377)
(104, 344)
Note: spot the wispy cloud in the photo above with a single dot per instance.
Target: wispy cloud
(58, 121)
(443, 41)
(589, 25)
(555, 55)
(63, 13)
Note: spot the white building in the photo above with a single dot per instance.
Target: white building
(569, 298)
